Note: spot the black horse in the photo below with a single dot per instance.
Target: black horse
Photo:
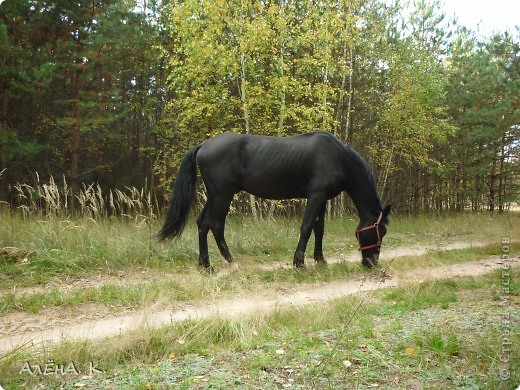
(316, 166)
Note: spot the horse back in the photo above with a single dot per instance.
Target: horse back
(273, 167)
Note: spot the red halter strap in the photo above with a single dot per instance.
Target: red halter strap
(374, 226)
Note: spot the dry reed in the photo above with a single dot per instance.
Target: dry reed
(51, 198)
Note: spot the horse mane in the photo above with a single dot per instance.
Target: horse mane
(366, 172)
(364, 169)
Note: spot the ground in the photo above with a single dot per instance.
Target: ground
(95, 321)
(265, 325)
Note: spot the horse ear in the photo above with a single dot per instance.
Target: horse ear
(386, 212)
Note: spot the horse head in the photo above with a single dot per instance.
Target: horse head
(370, 237)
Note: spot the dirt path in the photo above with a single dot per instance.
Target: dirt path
(53, 326)
(130, 279)
(390, 253)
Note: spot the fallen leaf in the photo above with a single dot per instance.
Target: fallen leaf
(409, 351)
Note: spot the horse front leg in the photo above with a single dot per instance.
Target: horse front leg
(314, 206)
(319, 230)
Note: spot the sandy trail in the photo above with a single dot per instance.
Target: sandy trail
(146, 275)
(50, 326)
(388, 253)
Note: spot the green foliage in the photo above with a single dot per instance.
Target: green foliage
(412, 118)
(80, 89)
(272, 63)
(19, 149)
(483, 99)
(115, 92)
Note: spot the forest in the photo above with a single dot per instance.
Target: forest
(112, 93)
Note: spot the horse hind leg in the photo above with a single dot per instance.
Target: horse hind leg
(220, 212)
(218, 233)
(203, 226)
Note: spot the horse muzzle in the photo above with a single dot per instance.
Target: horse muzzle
(370, 260)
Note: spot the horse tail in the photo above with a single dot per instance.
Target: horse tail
(182, 196)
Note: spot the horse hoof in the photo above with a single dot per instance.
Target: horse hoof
(208, 269)
(320, 260)
(369, 263)
(321, 263)
(299, 266)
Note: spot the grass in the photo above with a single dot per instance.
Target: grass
(145, 288)
(134, 270)
(394, 339)
(415, 297)
(449, 227)
(444, 333)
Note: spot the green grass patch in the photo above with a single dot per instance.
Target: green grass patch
(447, 334)
(452, 227)
(440, 293)
(446, 257)
(79, 248)
(181, 282)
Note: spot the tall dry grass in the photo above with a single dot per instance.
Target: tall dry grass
(56, 199)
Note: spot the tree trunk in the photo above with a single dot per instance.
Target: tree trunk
(243, 97)
(348, 136)
(492, 186)
(501, 174)
(387, 170)
(281, 118)
(76, 132)
(4, 126)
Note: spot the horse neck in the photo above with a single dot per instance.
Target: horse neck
(367, 205)
(363, 194)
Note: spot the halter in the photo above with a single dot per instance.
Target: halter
(374, 226)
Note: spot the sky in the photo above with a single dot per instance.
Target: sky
(489, 15)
